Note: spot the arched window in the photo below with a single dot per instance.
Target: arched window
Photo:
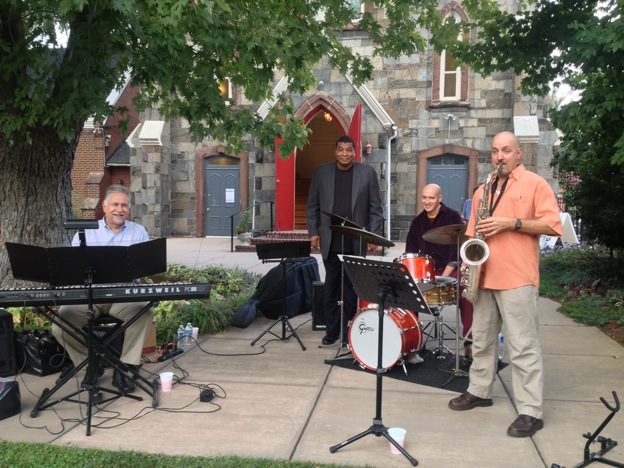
(450, 80)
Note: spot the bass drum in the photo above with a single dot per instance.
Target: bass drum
(402, 337)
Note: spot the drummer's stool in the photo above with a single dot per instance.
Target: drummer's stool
(437, 332)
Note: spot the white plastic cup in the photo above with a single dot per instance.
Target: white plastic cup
(398, 434)
(166, 380)
(195, 334)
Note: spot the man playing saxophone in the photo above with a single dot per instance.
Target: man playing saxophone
(521, 207)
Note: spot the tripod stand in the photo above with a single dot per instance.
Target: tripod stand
(283, 253)
(382, 282)
(89, 266)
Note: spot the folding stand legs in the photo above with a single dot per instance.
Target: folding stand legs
(96, 352)
(283, 318)
(283, 337)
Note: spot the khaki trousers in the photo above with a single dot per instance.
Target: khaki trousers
(134, 335)
(517, 309)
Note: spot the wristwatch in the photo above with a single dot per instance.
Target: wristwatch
(518, 225)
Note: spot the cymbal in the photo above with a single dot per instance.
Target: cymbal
(447, 235)
(340, 221)
(363, 235)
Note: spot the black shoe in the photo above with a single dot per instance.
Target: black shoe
(123, 383)
(329, 340)
(98, 372)
(525, 426)
(467, 401)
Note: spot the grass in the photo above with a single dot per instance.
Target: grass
(26, 455)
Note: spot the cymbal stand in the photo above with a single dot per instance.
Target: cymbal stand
(456, 371)
(348, 354)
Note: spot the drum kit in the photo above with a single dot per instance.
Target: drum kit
(404, 333)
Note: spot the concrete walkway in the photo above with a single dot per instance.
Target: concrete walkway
(283, 402)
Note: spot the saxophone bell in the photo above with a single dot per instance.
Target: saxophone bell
(474, 252)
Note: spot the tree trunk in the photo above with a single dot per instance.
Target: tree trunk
(35, 196)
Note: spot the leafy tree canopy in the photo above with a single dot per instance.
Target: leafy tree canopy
(177, 52)
(576, 43)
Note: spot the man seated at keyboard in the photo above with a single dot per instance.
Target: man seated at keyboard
(114, 230)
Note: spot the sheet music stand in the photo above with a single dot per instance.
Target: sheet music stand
(89, 266)
(283, 253)
(387, 284)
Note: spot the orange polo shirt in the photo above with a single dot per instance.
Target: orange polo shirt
(514, 256)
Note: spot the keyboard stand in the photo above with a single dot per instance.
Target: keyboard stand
(90, 265)
(105, 354)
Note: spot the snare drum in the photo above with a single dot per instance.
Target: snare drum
(421, 268)
(444, 293)
(402, 337)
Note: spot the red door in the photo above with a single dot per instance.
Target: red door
(285, 172)
(284, 190)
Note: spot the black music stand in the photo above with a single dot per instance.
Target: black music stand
(387, 284)
(68, 266)
(283, 253)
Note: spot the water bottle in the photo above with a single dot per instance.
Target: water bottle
(180, 342)
(501, 346)
(188, 332)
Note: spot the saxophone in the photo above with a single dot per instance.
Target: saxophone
(474, 252)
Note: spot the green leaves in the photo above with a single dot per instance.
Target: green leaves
(179, 50)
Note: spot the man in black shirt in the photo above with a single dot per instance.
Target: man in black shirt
(351, 190)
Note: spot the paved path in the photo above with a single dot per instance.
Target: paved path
(282, 402)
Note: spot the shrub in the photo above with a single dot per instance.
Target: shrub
(229, 289)
(588, 280)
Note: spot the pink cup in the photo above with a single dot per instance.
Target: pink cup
(195, 334)
(398, 434)
(166, 380)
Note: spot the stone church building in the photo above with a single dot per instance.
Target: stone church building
(419, 119)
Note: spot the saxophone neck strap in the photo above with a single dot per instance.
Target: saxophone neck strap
(500, 195)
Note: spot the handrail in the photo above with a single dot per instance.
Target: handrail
(240, 213)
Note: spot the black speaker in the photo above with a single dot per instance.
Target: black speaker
(318, 310)
(8, 364)
(10, 403)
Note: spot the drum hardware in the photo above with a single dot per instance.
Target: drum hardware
(347, 228)
(449, 235)
(386, 284)
(338, 220)
(438, 325)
